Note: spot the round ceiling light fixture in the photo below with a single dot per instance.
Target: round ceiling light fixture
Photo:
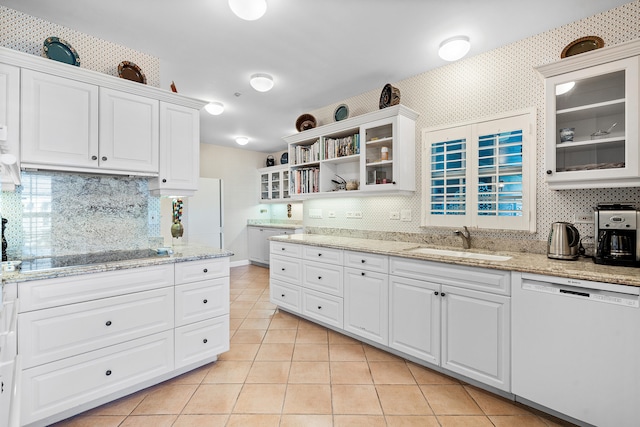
(242, 140)
(214, 108)
(261, 82)
(249, 10)
(454, 48)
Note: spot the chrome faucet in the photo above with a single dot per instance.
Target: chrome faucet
(466, 237)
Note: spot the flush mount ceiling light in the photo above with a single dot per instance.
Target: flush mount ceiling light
(214, 108)
(563, 88)
(261, 82)
(249, 10)
(454, 48)
(242, 140)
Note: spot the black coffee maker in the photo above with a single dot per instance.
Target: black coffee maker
(616, 227)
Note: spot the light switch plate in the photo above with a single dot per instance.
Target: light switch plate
(405, 215)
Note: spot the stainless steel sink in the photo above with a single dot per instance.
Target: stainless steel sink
(458, 254)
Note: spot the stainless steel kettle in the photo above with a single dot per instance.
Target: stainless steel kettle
(564, 241)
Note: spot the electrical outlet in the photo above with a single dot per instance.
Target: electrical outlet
(315, 213)
(583, 218)
(331, 214)
(357, 214)
(348, 214)
(405, 215)
(394, 215)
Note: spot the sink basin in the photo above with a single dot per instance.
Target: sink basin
(459, 254)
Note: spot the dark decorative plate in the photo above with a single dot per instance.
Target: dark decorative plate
(61, 51)
(341, 113)
(130, 71)
(581, 45)
(284, 159)
(390, 96)
(305, 122)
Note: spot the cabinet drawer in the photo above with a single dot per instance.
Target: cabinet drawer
(287, 249)
(481, 279)
(59, 332)
(194, 271)
(323, 277)
(322, 307)
(287, 269)
(369, 262)
(317, 253)
(202, 340)
(38, 294)
(202, 300)
(285, 295)
(55, 387)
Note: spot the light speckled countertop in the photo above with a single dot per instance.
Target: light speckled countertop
(276, 225)
(583, 269)
(180, 254)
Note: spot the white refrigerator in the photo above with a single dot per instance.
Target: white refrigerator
(204, 214)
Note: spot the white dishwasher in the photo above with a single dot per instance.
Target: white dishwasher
(576, 348)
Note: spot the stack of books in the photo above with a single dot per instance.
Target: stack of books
(306, 153)
(341, 147)
(305, 180)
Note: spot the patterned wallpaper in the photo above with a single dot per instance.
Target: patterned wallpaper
(497, 81)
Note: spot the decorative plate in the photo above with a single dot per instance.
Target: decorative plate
(341, 113)
(581, 45)
(305, 122)
(61, 51)
(390, 96)
(130, 71)
(284, 159)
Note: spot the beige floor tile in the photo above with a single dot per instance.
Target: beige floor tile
(255, 324)
(376, 355)
(391, 373)
(265, 305)
(149, 421)
(228, 371)
(359, 421)
(122, 406)
(260, 399)
(306, 324)
(280, 336)
(166, 399)
(350, 373)
(309, 373)
(290, 420)
(192, 377)
(91, 421)
(268, 373)
(242, 305)
(248, 336)
(250, 420)
(402, 400)
(311, 353)
(240, 352)
(412, 421)
(346, 353)
(464, 421)
(257, 292)
(450, 400)
(338, 338)
(494, 405)
(307, 399)
(235, 323)
(260, 313)
(201, 421)
(312, 336)
(275, 352)
(238, 313)
(355, 400)
(213, 399)
(424, 375)
(517, 421)
(248, 297)
(284, 323)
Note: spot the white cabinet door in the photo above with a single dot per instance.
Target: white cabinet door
(59, 121)
(179, 151)
(366, 300)
(10, 121)
(201, 341)
(414, 318)
(201, 300)
(476, 335)
(128, 132)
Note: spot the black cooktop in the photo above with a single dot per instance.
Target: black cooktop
(36, 264)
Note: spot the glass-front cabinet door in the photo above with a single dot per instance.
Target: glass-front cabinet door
(592, 127)
(264, 186)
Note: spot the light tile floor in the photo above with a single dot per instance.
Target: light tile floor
(285, 371)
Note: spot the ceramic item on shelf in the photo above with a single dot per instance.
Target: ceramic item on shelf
(61, 51)
(603, 133)
(352, 185)
(270, 160)
(390, 96)
(581, 45)
(130, 71)
(305, 122)
(341, 113)
(284, 159)
(173, 87)
(566, 134)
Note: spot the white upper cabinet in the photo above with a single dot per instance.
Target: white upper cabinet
(10, 123)
(128, 132)
(274, 183)
(591, 138)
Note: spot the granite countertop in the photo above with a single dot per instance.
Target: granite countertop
(582, 269)
(180, 254)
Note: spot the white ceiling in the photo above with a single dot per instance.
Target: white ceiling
(319, 51)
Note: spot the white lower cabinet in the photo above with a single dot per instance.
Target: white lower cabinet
(366, 301)
(285, 295)
(323, 307)
(259, 244)
(201, 340)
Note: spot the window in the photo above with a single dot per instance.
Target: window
(481, 174)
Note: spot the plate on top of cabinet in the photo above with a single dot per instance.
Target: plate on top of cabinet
(581, 45)
(59, 50)
(341, 113)
(130, 71)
